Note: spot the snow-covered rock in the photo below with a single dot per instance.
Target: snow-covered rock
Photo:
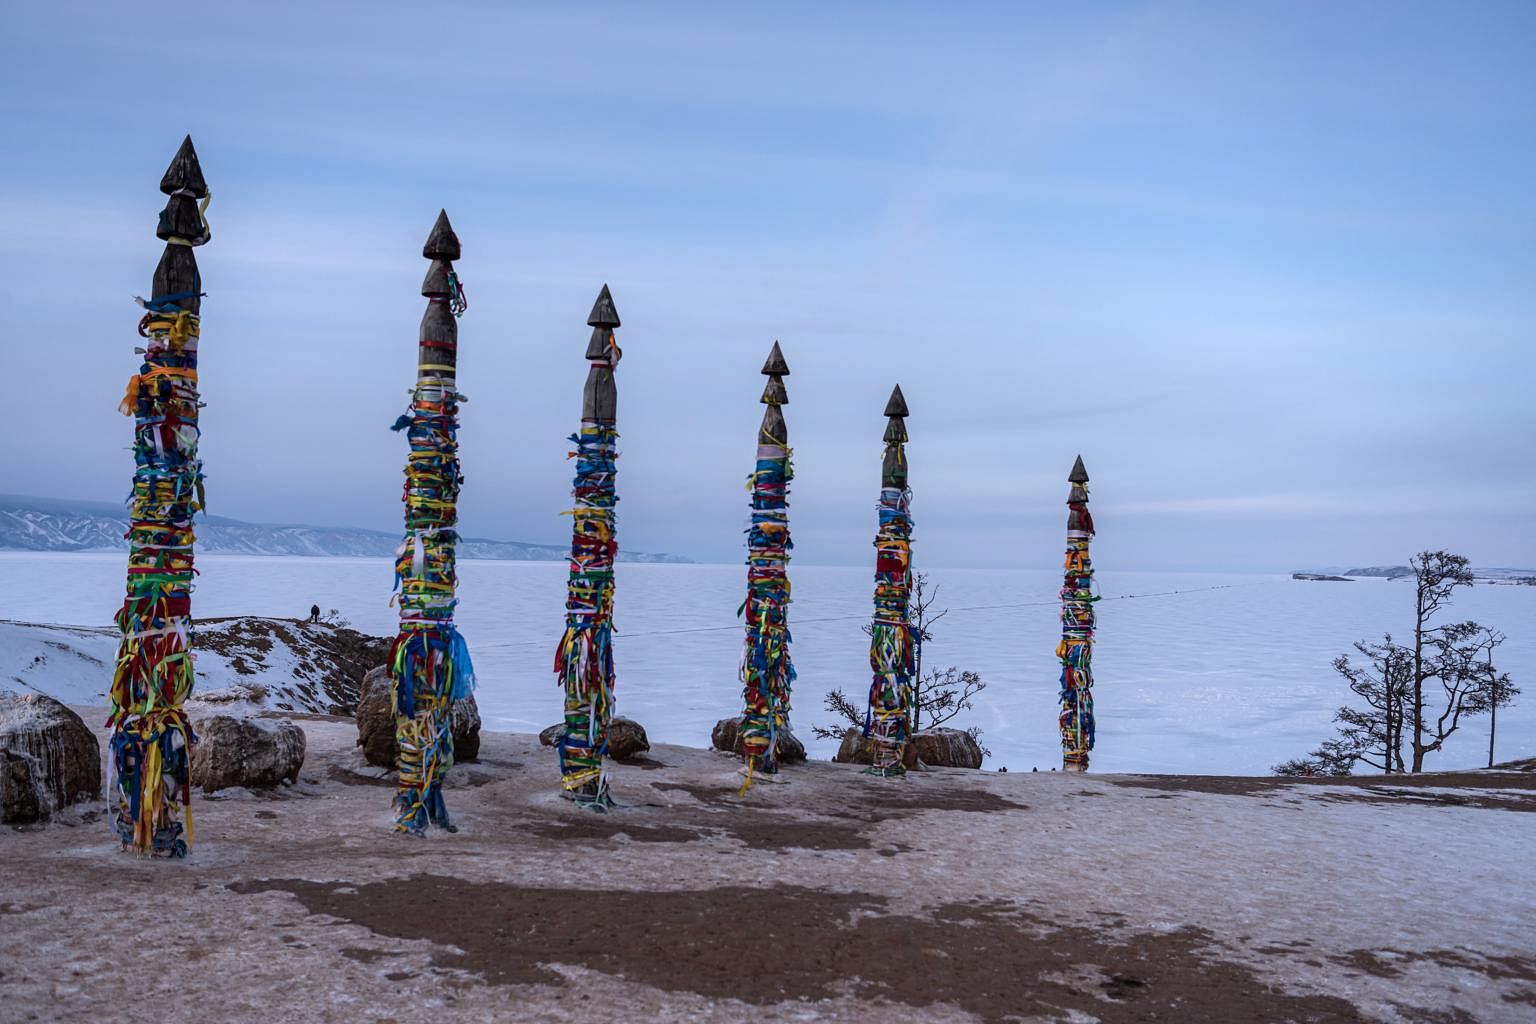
(257, 753)
(376, 723)
(49, 758)
(244, 664)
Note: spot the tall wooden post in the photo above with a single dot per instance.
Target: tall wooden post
(153, 678)
(429, 662)
(767, 672)
(584, 658)
(892, 652)
(1077, 623)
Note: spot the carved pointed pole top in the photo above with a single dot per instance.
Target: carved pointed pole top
(776, 364)
(177, 285)
(604, 312)
(774, 431)
(893, 468)
(896, 412)
(185, 172)
(442, 243)
(776, 369)
(1078, 478)
(600, 399)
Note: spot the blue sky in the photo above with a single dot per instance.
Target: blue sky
(1269, 268)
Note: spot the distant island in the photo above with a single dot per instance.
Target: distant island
(1397, 572)
(1390, 572)
(57, 524)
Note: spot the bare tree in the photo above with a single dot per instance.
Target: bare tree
(850, 714)
(1460, 659)
(1367, 736)
(1436, 574)
(937, 696)
(1383, 683)
(1398, 683)
(1496, 691)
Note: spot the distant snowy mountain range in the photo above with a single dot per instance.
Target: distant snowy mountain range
(54, 524)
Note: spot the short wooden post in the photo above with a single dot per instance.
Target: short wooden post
(429, 662)
(584, 658)
(151, 737)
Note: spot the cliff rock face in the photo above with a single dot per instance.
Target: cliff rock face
(287, 664)
(257, 753)
(245, 664)
(49, 758)
(376, 723)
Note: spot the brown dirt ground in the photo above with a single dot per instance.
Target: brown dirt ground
(992, 961)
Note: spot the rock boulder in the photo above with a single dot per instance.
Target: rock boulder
(856, 748)
(726, 735)
(257, 753)
(626, 738)
(376, 723)
(946, 748)
(49, 758)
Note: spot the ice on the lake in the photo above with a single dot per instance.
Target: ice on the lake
(1199, 673)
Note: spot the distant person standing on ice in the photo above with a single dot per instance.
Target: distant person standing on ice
(314, 613)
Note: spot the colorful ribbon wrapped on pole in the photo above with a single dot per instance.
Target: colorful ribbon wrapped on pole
(429, 662)
(150, 755)
(584, 657)
(767, 671)
(1077, 624)
(892, 644)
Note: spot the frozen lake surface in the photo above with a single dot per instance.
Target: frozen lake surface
(1197, 673)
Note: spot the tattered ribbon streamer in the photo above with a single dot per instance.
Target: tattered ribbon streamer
(153, 673)
(584, 656)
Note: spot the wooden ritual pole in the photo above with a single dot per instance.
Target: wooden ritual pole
(584, 658)
(151, 737)
(892, 651)
(1077, 623)
(767, 672)
(429, 662)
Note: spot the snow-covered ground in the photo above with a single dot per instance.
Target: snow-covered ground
(833, 896)
(1202, 673)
